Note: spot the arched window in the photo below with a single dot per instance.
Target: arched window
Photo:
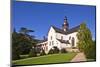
(52, 42)
(49, 43)
(61, 37)
(69, 37)
(51, 37)
(73, 41)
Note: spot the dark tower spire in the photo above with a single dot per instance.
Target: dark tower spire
(65, 25)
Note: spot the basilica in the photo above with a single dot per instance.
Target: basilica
(61, 38)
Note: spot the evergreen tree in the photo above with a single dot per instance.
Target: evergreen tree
(26, 40)
(21, 43)
(25, 31)
(15, 46)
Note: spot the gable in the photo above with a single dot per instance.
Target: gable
(51, 32)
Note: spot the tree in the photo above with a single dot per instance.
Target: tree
(42, 53)
(24, 44)
(85, 43)
(92, 51)
(25, 31)
(26, 40)
(15, 46)
(21, 43)
(33, 53)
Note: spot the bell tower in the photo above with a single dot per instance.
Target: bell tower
(65, 25)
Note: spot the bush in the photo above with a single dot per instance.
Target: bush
(42, 53)
(63, 50)
(51, 51)
(32, 53)
(91, 52)
(56, 50)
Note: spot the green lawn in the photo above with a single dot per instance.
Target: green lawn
(53, 58)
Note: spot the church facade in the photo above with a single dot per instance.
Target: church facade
(61, 38)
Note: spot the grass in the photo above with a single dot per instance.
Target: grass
(46, 59)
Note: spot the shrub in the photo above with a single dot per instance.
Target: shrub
(63, 50)
(56, 50)
(42, 53)
(51, 51)
(91, 52)
(32, 53)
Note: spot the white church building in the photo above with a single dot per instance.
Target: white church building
(61, 38)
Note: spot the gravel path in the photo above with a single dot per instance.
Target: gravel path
(79, 57)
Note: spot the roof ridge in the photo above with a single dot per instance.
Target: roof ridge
(73, 29)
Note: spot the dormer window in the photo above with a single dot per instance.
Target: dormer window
(49, 43)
